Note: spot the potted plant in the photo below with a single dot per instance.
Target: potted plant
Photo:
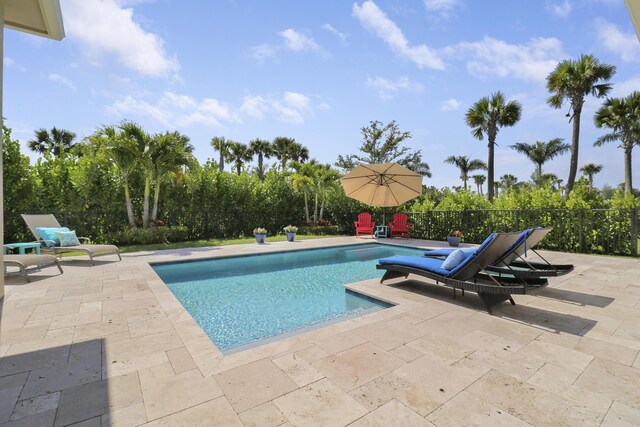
(454, 237)
(260, 233)
(291, 231)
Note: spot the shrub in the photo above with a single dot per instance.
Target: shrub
(140, 236)
(331, 230)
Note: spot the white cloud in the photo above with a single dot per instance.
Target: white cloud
(374, 19)
(297, 41)
(560, 9)
(490, 57)
(330, 28)
(387, 89)
(62, 80)
(615, 41)
(324, 106)
(624, 88)
(263, 52)
(8, 61)
(451, 104)
(103, 27)
(443, 7)
(173, 109)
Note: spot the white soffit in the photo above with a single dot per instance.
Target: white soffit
(634, 11)
(39, 17)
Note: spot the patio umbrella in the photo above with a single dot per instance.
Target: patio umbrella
(382, 185)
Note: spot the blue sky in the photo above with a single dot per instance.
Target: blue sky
(319, 71)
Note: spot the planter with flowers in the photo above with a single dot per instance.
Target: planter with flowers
(454, 237)
(260, 233)
(290, 231)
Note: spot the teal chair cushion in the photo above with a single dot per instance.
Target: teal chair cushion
(49, 233)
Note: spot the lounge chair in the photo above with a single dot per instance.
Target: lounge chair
(364, 225)
(25, 261)
(400, 225)
(491, 289)
(512, 261)
(47, 220)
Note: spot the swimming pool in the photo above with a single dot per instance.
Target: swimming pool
(245, 300)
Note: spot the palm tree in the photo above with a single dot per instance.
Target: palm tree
(56, 142)
(282, 148)
(572, 81)
(170, 152)
(239, 154)
(591, 169)
(142, 142)
(479, 180)
(120, 150)
(622, 116)
(222, 146)
(541, 152)
(328, 180)
(465, 165)
(261, 148)
(486, 117)
(507, 181)
(303, 180)
(299, 153)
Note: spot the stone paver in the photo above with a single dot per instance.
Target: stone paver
(110, 345)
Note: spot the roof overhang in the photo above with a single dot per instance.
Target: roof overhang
(39, 17)
(633, 6)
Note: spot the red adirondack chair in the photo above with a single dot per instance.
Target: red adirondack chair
(364, 225)
(400, 225)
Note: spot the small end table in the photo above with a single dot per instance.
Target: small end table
(22, 247)
(382, 231)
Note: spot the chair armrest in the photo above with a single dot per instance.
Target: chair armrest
(53, 243)
(356, 223)
(373, 224)
(391, 224)
(86, 239)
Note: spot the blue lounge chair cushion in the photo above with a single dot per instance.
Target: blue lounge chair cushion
(435, 265)
(445, 252)
(454, 259)
(49, 233)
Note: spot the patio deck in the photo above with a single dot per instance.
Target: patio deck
(110, 345)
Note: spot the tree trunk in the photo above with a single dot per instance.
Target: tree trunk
(464, 180)
(321, 209)
(628, 185)
(315, 210)
(239, 168)
(539, 173)
(306, 207)
(591, 178)
(127, 199)
(145, 211)
(260, 170)
(575, 140)
(492, 142)
(154, 213)
(221, 163)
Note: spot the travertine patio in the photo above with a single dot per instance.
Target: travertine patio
(110, 345)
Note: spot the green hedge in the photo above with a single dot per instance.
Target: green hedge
(139, 236)
(328, 230)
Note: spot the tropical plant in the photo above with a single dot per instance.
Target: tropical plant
(56, 142)
(259, 230)
(282, 149)
(622, 116)
(141, 145)
(326, 183)
(298, 153)
(261, 148)
(589, 170)
(486, 117)
(170, 151)
(572, 81)
(465, 165)
(541, 152)
(303, 180)
(239, 154)
(382, 144)
(122, 152)
(507, 181)
(222, 146)
(479, 181)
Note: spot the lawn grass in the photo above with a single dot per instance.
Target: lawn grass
(212, 242)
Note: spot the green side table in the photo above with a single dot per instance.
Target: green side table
(22, 247)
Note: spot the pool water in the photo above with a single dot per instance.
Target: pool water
(243, 301)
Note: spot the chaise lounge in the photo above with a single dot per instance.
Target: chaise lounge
(48, 221)
(464, 272)
(513, 262)
(25, 261)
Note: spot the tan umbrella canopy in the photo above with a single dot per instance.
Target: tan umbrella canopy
(382, 185)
